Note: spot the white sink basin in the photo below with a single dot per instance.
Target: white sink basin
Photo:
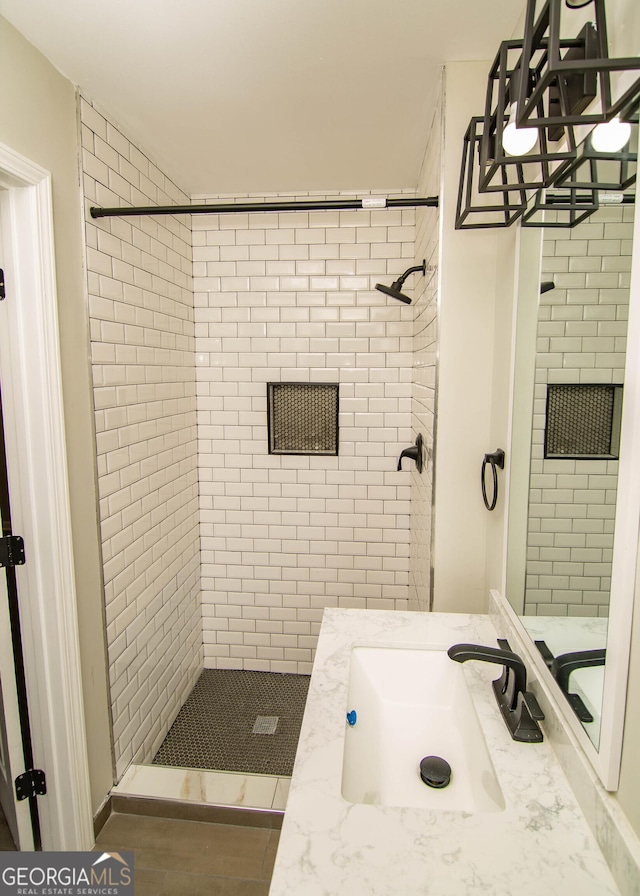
(411, 703)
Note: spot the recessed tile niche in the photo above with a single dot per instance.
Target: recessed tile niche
(583, 421)
(302, 418)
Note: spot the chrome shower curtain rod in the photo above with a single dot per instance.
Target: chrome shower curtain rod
(369, 202)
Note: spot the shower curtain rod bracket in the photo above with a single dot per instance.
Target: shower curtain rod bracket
(368, 202)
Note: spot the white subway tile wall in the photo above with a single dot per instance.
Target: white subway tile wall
(425, 334)
(291, 297)
(582, 331)
(140, 292)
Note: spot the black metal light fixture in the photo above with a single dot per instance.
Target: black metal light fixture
(567, 85)
(542, 91)
(395, 290)
(560, 207)
(475, 209)
(530, 156)
(597, 170)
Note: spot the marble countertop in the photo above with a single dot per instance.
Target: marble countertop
(539, 844)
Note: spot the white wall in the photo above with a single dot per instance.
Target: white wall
(39, 122)
(142, 341)
(291, 297)
(469, 346)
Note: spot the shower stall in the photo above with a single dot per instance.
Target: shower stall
(218, 553)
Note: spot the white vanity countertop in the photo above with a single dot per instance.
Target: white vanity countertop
(539, 844)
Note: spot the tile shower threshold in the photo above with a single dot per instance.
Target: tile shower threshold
(197, 787)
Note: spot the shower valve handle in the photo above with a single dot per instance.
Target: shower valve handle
(415, 452)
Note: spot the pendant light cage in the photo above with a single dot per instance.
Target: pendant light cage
(475, 209)
(557, 88)
(555, 146)
(574, 87)
(565, 207)
(592, 170)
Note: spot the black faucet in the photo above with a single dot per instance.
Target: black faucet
(563, 665)
(519, 707)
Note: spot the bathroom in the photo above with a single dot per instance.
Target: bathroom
(182, 472)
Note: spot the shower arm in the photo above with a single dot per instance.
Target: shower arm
(399, 283)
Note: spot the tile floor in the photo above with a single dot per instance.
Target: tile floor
(220, 724)
(174, 857)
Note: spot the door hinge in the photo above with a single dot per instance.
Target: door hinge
(30, 783)
(12, 551)
(3, 293)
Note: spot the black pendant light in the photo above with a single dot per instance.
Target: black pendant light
(602, 170)
(475, 209)
(542, 92)
(568, 75)
(532, 156)
(564, 207)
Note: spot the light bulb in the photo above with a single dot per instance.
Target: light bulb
(518, 141)
(610, 136)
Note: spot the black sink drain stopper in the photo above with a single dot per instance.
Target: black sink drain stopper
(435, 771)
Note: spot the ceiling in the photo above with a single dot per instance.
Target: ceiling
(249, 96)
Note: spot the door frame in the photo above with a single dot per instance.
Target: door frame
(37, 461)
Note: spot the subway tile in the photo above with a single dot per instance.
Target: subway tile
(124, 245)
(392, 583)
(345, 266)
(619, 263)
(608, 247)
(572, 248)
(309, 235)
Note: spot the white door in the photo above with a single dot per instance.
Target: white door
(12, 762)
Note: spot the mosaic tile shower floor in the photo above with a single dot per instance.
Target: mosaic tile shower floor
(215, 727)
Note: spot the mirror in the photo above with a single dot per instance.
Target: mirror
(569, 458)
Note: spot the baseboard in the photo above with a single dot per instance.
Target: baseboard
(163, 808)
(101, 816)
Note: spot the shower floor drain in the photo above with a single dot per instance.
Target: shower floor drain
(265, 725)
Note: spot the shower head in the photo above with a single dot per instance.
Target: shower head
(395, 290)
(546, 286)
